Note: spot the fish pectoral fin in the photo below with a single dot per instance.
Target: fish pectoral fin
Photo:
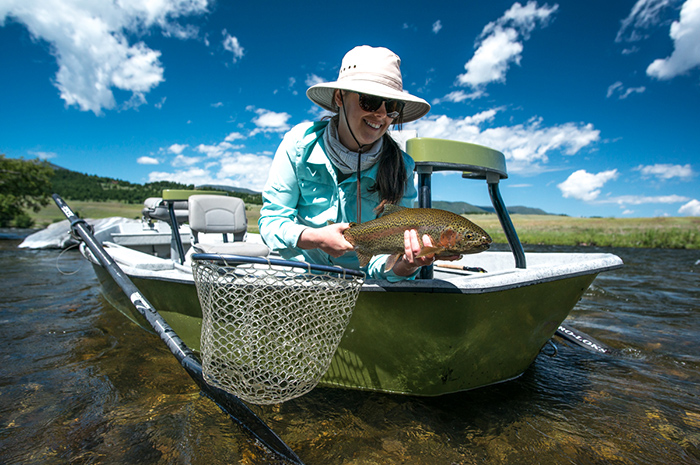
(425, 251)
(391, 261)
(448, 238)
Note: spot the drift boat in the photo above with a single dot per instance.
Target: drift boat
(451, 330)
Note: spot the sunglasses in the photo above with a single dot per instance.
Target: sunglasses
(373, 102)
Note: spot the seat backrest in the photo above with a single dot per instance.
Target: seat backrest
(218, 214)
(155, 208)
(476, 161)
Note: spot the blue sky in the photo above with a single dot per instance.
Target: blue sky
(595, 104)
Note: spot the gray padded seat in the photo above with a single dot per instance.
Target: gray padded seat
(156, 208)
(225, 215)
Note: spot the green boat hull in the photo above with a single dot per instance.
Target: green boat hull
(421, 341)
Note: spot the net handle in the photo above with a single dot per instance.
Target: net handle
(227, 259)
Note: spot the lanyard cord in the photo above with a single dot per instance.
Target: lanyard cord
(359, 158)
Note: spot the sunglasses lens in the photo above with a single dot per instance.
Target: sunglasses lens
(394, 106)
(373, 102)
(370, 102)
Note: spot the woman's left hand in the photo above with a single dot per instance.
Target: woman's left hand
(412, 248)
(410, 261)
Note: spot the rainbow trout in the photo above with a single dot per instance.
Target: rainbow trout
(451, 234)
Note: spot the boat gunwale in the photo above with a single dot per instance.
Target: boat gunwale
(462, 283)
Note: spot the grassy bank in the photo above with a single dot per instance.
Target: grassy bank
(51, 213)
(672, 232)
(669, 232)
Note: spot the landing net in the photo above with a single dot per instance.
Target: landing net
(270, 327)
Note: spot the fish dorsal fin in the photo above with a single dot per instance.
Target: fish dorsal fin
(392, 208)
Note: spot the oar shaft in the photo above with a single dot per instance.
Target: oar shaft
(230, 404)
(582, 339)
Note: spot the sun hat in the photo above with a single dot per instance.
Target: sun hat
(374, 71)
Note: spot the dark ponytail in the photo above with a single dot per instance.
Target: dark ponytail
(391, 174)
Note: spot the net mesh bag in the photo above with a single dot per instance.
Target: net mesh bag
(269, 331)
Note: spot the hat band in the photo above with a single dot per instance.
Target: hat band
(382, 79)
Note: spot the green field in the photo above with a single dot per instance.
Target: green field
(51, 213)
(666, 232)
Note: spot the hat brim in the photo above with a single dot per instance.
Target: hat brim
(322, 95)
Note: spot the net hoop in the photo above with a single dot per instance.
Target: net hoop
(270, 327)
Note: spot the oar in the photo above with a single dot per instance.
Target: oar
(582, 339)
(230, 404)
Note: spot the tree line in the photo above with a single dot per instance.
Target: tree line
(77, 186)
(28, 185)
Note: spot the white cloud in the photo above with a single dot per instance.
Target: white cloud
(234, 136)
(632, 90)
(231, 169)
(232, 45)
(686, 37)
(245, 170)
(217, 105)
(177, 149)
(525, 146)
(270, 121)
(667, 171)
(691, 208)
(613, 88)
(182, 160)
(91, 45)
(312, 79)
(644, 15)
(437, 25)
(196, 176)
(43, 155)
(147, 161)
(501, 43)
(585, 186)
(459, 96)
(215, 151)
(624, 200)
(622, 93)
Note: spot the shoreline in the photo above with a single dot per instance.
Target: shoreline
(656, 232)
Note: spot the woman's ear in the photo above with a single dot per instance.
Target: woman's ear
(337, 98)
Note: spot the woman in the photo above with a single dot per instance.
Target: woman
(315, 181)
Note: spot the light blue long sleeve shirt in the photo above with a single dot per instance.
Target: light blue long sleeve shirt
(302, 191)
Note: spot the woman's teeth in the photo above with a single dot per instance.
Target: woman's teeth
(373, 125)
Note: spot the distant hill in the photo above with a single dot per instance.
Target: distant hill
(462, 208)
(241, 190)
(72, 185)
(459, 208)
(519, 210)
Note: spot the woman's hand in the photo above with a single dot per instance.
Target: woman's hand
(410, 261)
(329, 238)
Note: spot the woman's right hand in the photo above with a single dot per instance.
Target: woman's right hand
(329, 238)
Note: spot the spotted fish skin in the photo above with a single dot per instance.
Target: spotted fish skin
(451, 234)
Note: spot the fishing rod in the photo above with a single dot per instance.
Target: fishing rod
(230, 404)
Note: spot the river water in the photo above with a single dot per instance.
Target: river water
(81, 384)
